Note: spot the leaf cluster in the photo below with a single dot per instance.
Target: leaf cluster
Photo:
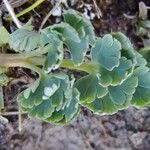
(117, 76)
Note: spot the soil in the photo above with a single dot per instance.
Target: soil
(126, 130)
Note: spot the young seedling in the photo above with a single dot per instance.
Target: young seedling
(116, 75)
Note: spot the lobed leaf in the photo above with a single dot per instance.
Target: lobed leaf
(123, 93)
(118, 98)
(82, 25)
(141, 61)
(55, 52)
(141, 97)
(4, 38)
(48, 96)
(127, 49)
(106, 52)
(25, 40)
(118, 74)
(3, 78)
(90, 88)
(76, 45)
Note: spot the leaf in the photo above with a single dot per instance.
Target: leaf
(118, 98)
(122, 93)
(106, 52)
(37, 92)
(141, 61)
(55, 53)
(4, 38)
(71, 109)
(127, 49)
(3, 79)
(82, 25)
(118, 74)
(65, 32)
(146, 54)
(126, 64)
(141, 97)
(90, 88)
(1, 99)
(47, 96)
(102, 106)
(71, 39)
(25, 40)
(28, 25)
(145, 23)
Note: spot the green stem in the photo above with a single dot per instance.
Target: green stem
(144, 49)
(68, 64)
(37, 3)
(22, 63)
(26, 55)
(86, 67)
(17, 60)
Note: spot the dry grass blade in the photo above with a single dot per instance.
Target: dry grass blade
(11, 11)
(14, 4)
(49, 14)
(99, 13)
(143, 11)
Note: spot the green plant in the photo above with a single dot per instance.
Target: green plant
(116, 75)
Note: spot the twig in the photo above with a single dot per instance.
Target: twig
(99, 13)
(37, 3)
(20, 120)
(49, 14)
(10, 113)
(129, 16)
(14, 4)
(9, 8)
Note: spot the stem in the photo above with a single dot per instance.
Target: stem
(144, 49)
(37, 3)
(11, 11)
(24, 64)
(17, 60)
(25, 55)
(86, 67)
(68, 64)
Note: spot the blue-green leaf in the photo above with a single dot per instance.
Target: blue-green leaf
(118, 98)
(118, 74)
(4, 38)
(55, 52)
(82, 25)
(141, 97)
(3, 77)
(127, 49)
(106, 52)
(141, 61)
(24, 40)
(69, 111)
(49, 95)
(76, 45)
(90, 88)
(121, 93)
